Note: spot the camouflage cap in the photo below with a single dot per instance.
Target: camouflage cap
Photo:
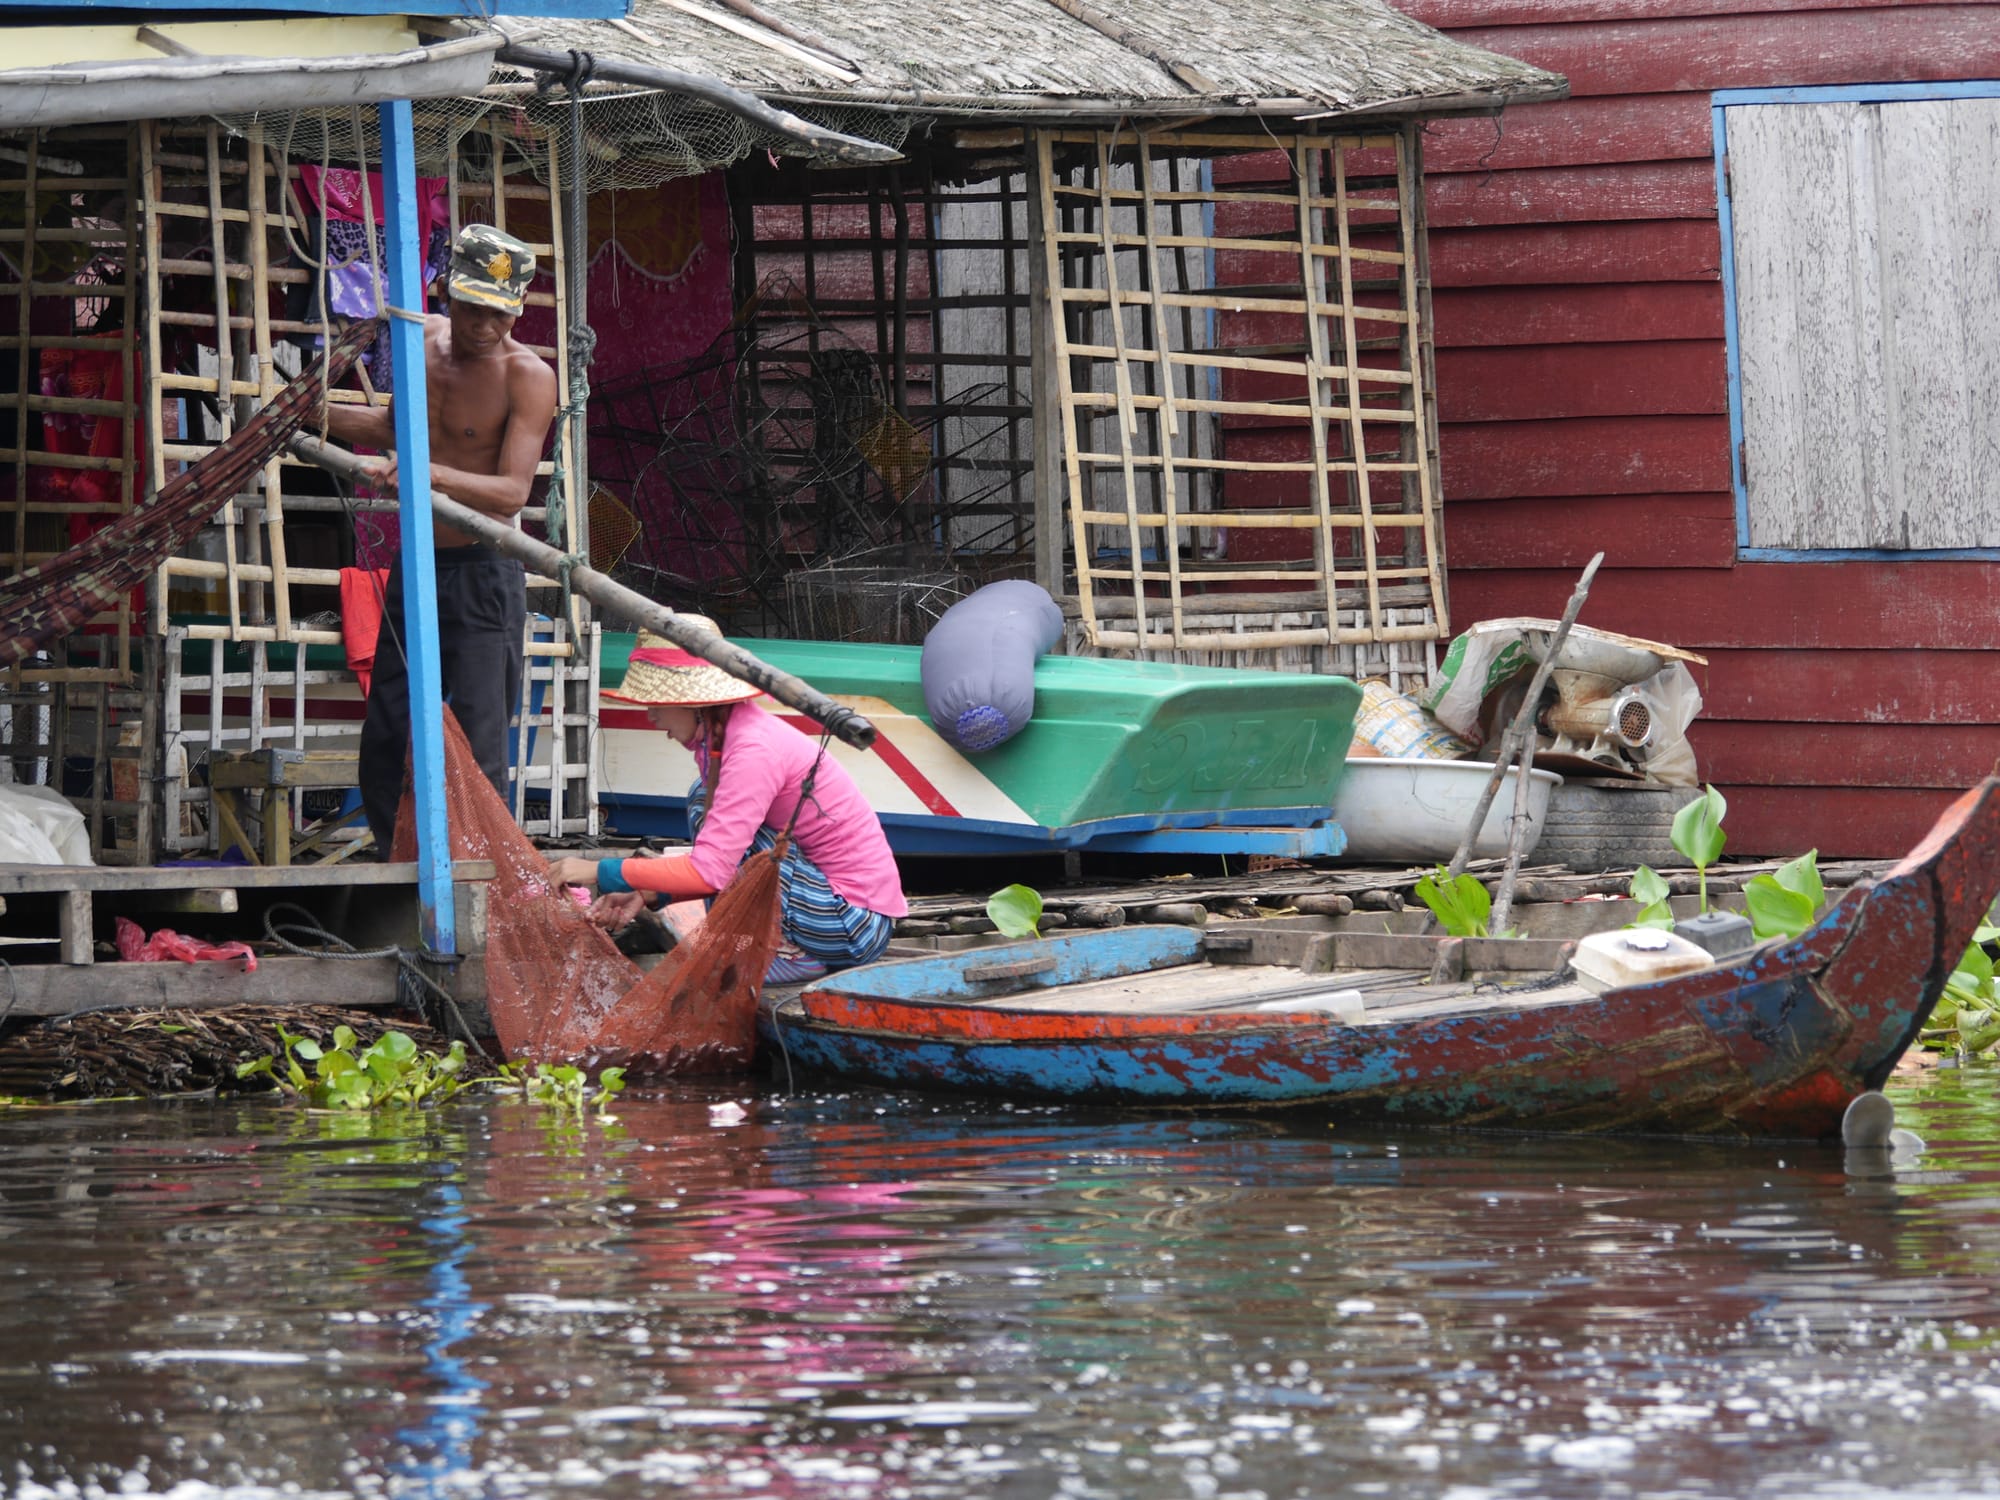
(490, 268)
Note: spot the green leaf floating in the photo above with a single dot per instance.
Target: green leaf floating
(1016, 911)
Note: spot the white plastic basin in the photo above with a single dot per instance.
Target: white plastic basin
(1416, 811)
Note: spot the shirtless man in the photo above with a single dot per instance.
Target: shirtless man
(491, 402)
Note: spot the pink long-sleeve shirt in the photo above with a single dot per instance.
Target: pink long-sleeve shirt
(764, 764)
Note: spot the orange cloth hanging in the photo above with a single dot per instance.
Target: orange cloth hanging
(362, 591)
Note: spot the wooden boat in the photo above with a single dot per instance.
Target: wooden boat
(1775, 1044)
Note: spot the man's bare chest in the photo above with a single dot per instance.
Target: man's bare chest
(468, 413)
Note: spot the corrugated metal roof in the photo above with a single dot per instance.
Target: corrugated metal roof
(1148, 57)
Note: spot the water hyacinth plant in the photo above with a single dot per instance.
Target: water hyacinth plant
(390, 1070)
(1966, 1019)
(1698, 834)
(1460, 904)
(1787, 901)
(562, 1087)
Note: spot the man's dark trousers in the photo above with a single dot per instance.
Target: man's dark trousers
(482, 606)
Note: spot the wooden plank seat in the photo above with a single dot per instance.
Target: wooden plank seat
(276, 773)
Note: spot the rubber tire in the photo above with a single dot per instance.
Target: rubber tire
(1609, 825)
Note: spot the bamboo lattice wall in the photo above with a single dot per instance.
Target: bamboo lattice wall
(156, 271)
(224, 217)
(70, 451)
(1305, 337)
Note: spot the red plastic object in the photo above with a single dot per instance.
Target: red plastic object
(168, 946)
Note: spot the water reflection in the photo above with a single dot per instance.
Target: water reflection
(869, 1295)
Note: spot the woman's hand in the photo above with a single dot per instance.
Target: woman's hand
(617, 909)
(573, 871)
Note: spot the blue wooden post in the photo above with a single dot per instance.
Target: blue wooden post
(413, 469)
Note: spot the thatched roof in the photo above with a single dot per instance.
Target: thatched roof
(1071, 58)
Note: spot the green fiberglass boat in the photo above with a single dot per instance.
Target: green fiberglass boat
(1119, 755)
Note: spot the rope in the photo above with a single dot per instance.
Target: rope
(806, 791)
(332, 945)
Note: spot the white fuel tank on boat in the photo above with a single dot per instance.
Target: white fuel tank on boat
(1635, 955)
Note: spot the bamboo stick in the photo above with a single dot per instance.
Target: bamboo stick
(1154, 51)
(1168, 429)
(1416, 296)
(1259, 640)
(1248, 140)
(258, 231)
(1273, 243)
(617, 600)
(134, 401)
(1270, 520)
(1521, 727)
(225, 354)
(1053, 311)
(1357, 438)
(24, 365)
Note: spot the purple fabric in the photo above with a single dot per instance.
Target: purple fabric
(350, 283)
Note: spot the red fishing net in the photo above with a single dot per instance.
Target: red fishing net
(557, 986)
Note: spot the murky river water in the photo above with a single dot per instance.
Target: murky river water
(873, 1295)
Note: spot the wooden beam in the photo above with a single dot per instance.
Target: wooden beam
(61, 989)
(23, 880)
(1153, 51)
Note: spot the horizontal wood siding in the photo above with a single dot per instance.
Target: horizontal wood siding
(1582, 393)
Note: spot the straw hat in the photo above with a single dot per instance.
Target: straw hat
(661, 672)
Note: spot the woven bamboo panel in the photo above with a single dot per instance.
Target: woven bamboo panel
(228, 232)
(1265, 425)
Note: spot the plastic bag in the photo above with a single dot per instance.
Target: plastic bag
(1392, 725)
(168, 946)
(978, 663)
(40, 826)
(1492, 653)
(1675, 700)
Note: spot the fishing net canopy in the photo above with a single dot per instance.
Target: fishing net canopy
(631, 138)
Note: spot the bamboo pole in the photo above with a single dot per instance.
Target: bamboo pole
(1357, 430)
(24, 370)
(1154, 50)
(1127, 412)
(1166, 431)
(845, 148)
(1058, 333)
(225, 359)
(1520, 730)
(1416, 291)
(258, 232)
(615, 599)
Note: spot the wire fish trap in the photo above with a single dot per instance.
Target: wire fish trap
(119, 1053)
(896, 450)
(884, 604)
(613, 529)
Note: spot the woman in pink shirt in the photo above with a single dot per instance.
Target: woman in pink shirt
(839, 890)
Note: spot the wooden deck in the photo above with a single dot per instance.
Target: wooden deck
(54, 917)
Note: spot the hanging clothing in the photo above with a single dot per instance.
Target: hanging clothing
(353, 250)
(362, 591)
(55, 598)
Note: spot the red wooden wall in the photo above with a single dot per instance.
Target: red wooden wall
(1583, 401)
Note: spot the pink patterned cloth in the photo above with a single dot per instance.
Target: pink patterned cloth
(764, 765)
